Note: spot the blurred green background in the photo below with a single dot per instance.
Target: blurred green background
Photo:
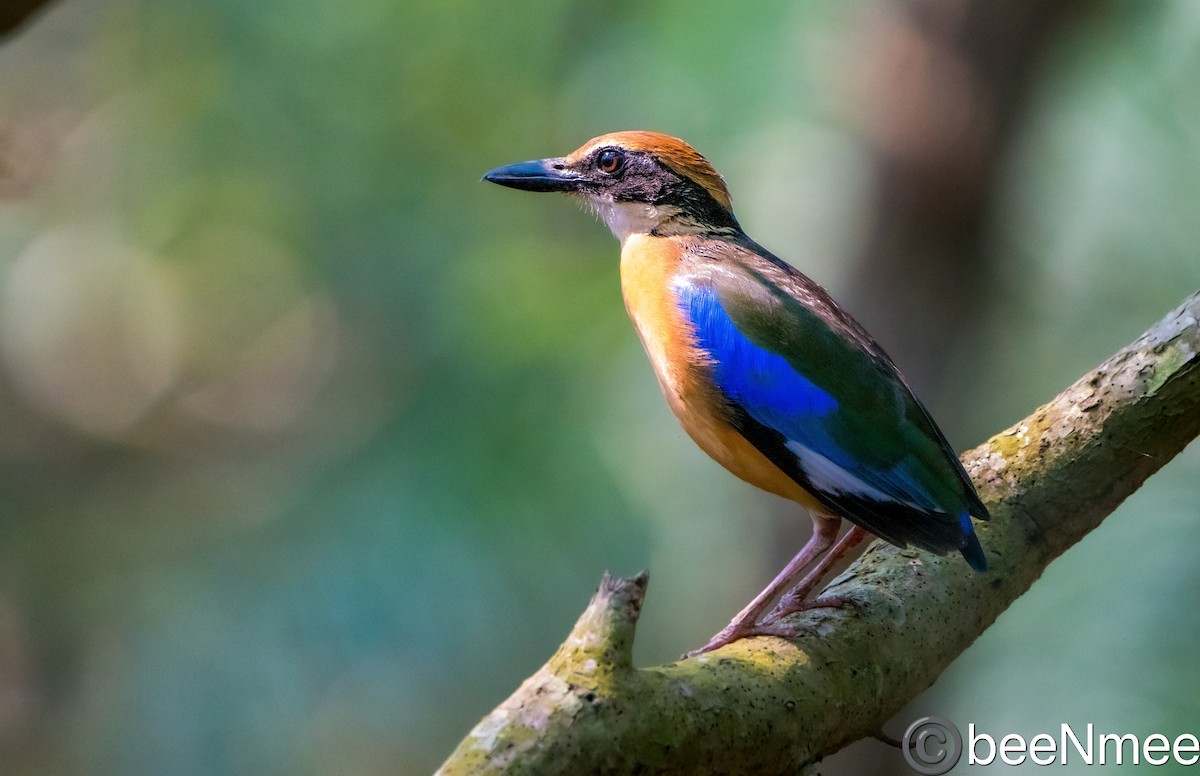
(312, 446)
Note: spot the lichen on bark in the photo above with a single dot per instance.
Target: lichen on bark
(775, 706)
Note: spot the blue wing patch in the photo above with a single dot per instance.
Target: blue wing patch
(772, 392)
(761, 381)
(795, 423)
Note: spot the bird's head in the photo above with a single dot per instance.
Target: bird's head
(638, 182)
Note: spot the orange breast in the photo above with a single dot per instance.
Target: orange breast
(649, 266)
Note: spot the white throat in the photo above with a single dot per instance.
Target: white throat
(628, 218)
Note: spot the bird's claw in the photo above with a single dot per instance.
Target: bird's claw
(770, 625)
(737, 631)
(788, 606)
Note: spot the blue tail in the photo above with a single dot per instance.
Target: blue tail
(970, 548)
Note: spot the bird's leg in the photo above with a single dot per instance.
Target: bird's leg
(796, 599)
(746, 622)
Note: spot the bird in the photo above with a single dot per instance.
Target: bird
(764, 370)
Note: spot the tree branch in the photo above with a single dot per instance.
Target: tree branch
(770, 706)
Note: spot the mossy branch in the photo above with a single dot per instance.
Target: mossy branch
(771, 706)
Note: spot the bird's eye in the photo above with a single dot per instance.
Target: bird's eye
(609, 160)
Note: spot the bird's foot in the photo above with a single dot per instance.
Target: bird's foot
(789, 605)
(770, 625)
(736, 631)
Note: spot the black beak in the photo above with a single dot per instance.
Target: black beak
(538, 175)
